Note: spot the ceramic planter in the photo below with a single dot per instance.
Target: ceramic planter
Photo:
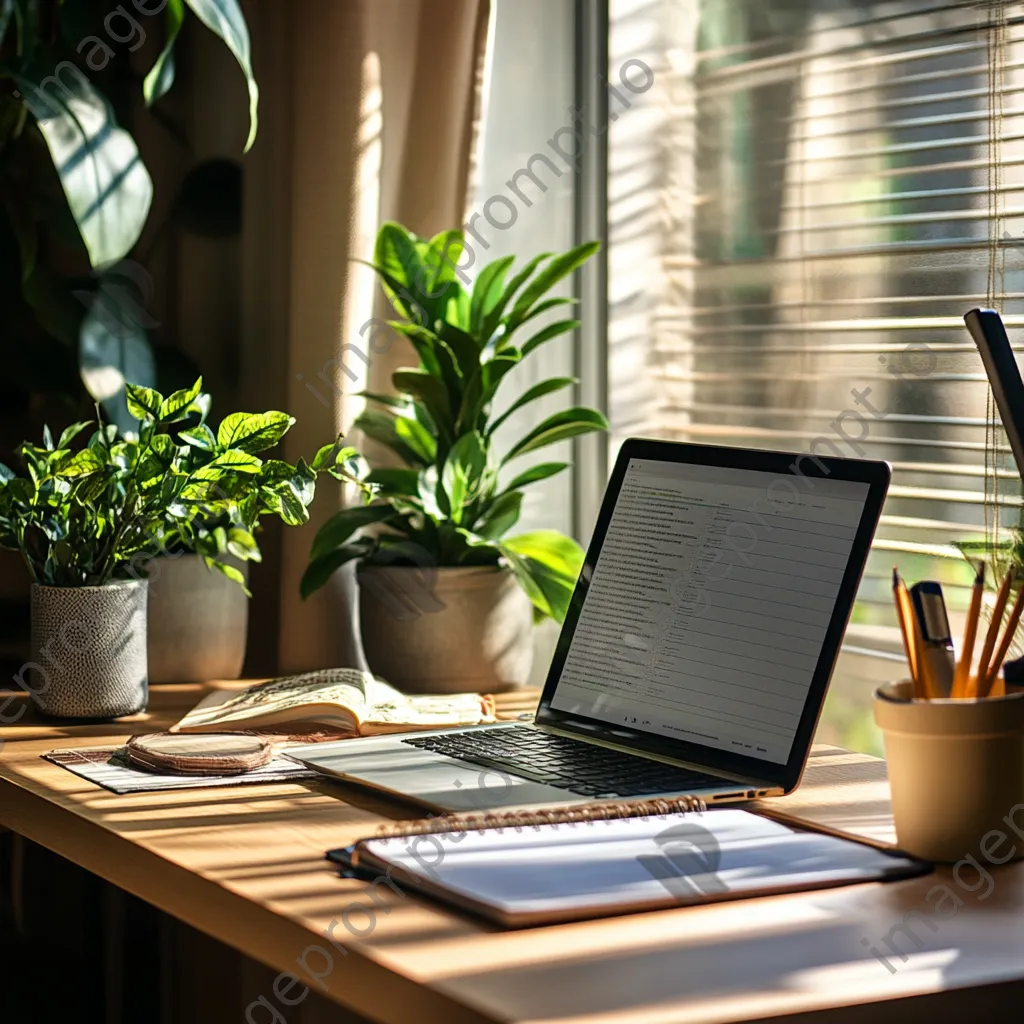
(446, 630)
(198, 621)
(88, 650)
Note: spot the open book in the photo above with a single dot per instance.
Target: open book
(339, 701)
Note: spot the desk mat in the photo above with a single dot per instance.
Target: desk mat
(107, 767)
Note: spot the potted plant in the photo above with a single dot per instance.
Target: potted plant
(447, 597)
(198, 595)
(80, 520)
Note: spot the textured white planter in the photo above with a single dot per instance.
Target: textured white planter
(446, 630)
(198, 621)
(88, 650)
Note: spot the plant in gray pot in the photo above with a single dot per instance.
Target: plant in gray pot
(81, 516)
(198, 594)
(447, 597)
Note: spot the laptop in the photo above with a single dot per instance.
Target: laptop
(696, 651)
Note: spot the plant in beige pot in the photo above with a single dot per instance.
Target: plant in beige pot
(447, 596)
(198, 595)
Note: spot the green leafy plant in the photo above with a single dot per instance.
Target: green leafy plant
(88, 516)
(446, 505)
(75, 194)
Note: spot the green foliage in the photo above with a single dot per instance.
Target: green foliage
(75, 194)
(446, 506)
(83, 516)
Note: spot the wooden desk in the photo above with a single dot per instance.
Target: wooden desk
(246, 866)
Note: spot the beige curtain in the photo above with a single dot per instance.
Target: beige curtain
(367, 114)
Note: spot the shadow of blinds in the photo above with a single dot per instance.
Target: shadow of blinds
(801, 211)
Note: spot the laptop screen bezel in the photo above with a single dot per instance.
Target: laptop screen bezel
(789, 466)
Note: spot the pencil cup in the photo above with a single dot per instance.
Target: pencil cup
(956, 770)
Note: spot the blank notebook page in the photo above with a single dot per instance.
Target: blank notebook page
(589, 868)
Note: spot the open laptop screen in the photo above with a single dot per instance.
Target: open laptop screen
(706, 614)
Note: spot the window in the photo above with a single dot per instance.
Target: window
(800, 210)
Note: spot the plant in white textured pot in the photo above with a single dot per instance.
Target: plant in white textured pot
(80, 518)
(445, 594)
(198, 598)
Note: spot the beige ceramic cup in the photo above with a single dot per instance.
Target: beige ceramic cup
(956, 770)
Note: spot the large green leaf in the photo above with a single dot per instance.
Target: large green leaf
(462, 473)
(566, 424)
(394, 481)
(535, 473)
(144, 403)
(430, 392)
(342, 525)
(494, 371)
(545, 387)
(231, 461)
(555, 550)
(380, 427)
(487, 290)
(417, 438)
(502, 515)
(559, 267)
(225, 19)
(107, 187)
(253, 432)
(177, 405)
(547, 333)
(161, 75)
(442, 257)
(493, 318)
(400, 269)
(551, 562)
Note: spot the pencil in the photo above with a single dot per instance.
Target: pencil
(961, 678)
(1004, 645)
(980, 684)
(905, 617)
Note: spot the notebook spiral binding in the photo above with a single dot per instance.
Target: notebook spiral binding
(518, 820)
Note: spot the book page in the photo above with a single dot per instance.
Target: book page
(285, 699)
(391, 711)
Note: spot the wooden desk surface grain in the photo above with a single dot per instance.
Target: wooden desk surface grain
(246, 866)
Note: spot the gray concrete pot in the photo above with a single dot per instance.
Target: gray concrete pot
(198, 621)
(88, 650)
(446, 630)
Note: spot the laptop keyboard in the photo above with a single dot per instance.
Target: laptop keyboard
(582, 768)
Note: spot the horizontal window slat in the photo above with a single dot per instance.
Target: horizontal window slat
(859, 325)
(921, 100)
(933, 217)
(683, 429)
(921, 248)
(911, 548)
(966, 301)
(930, 194)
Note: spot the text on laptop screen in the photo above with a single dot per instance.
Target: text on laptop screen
(708, 606)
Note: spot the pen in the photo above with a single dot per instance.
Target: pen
(992, 678)
(981, 681)
(962, 675)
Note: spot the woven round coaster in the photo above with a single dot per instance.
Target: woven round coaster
(208, 754)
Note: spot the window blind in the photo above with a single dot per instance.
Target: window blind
(801, 210)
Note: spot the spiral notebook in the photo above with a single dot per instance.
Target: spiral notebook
(542, 867)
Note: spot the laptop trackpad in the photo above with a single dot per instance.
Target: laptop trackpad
(445, 782)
